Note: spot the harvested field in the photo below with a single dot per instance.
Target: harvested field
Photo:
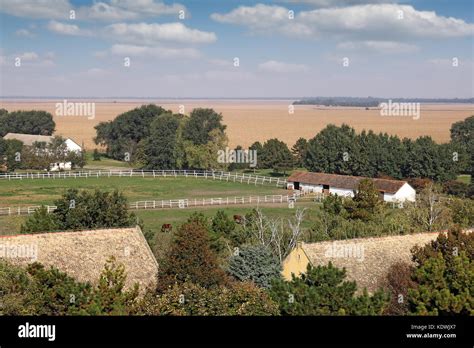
(249, 121)
(83, 254)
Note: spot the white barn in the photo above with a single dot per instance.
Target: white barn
(346, 186)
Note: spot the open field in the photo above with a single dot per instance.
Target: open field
(33, 192)
(249, 121)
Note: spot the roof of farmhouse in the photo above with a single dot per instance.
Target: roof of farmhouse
(83, 254)
(344, 181)
(366, 260)
(28, 139)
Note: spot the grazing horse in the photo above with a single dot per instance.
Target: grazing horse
(166, 228)
(238, 219)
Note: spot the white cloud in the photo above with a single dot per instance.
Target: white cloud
(99, 10)
(281, 67)
(67, 29)
(51, 9)
(160, 52)
(24, 33)
(390, 47)
(336, 3)
(151, 34)
(363, 22)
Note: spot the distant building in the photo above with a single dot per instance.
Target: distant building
(83, 254)
(346, 185)
(30, 139)
(366, 260)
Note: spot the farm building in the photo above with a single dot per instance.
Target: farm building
(30, 139)
(366, 260)
(83, 254)
(346, 185)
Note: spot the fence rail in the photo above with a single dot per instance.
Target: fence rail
(214, 175)
(172, 203)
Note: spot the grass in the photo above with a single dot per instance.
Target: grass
(464, 178)
(34, 192)
(154, 219)
(104, 163)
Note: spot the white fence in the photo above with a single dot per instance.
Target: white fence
(172, 203)
(202, 202)
(214, 175)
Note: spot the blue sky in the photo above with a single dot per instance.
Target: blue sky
(391, 49)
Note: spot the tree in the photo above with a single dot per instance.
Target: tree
(237, 299)
(27, 122)
(205, 156)
(11, 154)
(430, 210)
(444, 273)
(399, 281)
(332, 150)
(40, 221)
(161, 146)
(110, 296)
(200, 124)
(366, 202)
(276, 155)
(190, 259)
(462, 134)
(122, 135)
(81, 210)
(96, 155)
(255, 263)
(323, 290)
(299, 151)
(222, 224)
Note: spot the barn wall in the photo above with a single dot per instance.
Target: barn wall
(341, 192)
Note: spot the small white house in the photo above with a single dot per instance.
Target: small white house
(346, 186)
(60, 166)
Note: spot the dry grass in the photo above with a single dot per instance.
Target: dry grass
(83, 254)
(249, 121)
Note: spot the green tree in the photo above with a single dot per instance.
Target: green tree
(462, 134)
(40, 221)
(299, 151)
(366, 202)
(322, 290)
(222, 224)
(444, 275)
(80, 210)
(160, 148)
(276, 155)
(200, 124)
(237, 299)
(255, 263)
(122, 135)
(27, 122)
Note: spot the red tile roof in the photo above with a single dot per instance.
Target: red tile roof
(344, 181)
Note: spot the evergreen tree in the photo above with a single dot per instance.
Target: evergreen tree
(322, 290)
(255, 263)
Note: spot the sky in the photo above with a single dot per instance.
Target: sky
(237, 49)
